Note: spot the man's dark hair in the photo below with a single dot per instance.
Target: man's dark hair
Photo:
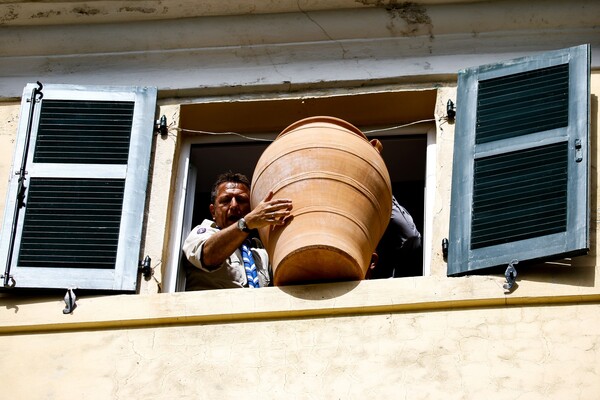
(228, 176)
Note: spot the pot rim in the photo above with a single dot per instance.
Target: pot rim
(327, 119)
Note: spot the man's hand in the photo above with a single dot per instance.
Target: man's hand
(269, 212)
(222, 244)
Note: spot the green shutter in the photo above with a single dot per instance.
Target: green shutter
(522, 103)
(521, 167)
(519, 195)
(86, 175)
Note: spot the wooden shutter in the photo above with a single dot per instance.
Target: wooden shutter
(87, 170)
(521, 165)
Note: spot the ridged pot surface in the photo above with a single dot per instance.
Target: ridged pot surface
(341, 194)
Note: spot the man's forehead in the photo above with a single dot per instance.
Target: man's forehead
(232, 187)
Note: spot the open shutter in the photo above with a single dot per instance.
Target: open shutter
(521, 167)
(87, 158)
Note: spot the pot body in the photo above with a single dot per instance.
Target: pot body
(341, 194)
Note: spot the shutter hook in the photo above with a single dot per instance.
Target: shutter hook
(511, 276)
(70, 299)
(9, 281)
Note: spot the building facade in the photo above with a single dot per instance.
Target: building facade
(228, 77)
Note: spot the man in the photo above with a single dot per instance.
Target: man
(223, 253)
(399, 252)
(400, 249)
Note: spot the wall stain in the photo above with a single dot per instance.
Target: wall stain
(10, 15)
(413, 15)
(85, 10)
(145, 10)
(45, 14)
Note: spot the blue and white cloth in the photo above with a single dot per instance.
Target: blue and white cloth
(249, 265)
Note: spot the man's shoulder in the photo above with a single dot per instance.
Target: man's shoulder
(202, 232)
(206, 226)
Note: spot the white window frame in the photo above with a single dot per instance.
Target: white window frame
(174, 278)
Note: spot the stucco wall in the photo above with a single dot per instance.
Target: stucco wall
(184, 46)
(9, 115)
(453, 352)
(423, 337)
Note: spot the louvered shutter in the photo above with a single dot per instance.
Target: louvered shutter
(86, 176)
(521, 168)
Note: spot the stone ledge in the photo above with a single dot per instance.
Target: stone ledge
(34, 315)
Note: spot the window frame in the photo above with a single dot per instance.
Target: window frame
(174, 277)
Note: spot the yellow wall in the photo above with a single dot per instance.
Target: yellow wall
(417, 338)
(9, 115)
(412, 338)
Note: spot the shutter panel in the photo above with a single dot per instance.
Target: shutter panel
(521, 169)
(84, 132)
(519, 195)
(72, 223)
(87, 172)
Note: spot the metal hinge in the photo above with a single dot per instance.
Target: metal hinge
(145, 267)
(160, 126)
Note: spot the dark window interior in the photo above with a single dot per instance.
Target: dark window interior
(404, 151)
(404, 156)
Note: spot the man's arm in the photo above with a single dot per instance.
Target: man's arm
(223, 243)
(404, 227)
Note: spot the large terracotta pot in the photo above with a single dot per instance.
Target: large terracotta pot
(342, 199)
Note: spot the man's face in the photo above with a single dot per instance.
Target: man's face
(231, 204)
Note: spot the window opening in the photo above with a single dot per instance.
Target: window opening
(206, 156)
(405, 157)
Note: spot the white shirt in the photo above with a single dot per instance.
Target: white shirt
(231, 273)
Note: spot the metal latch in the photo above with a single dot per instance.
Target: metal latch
(578, 152)
(70, 299)
(511, 276)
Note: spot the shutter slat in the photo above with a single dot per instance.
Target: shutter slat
(523, 103)
(516, 196)
(72, 223)
(84, 132)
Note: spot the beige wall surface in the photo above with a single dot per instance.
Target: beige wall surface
(550, 352)
(424, 337)
(9, 115)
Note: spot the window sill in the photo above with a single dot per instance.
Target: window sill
(306, 301)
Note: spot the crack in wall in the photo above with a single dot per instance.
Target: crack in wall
(344, 51)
